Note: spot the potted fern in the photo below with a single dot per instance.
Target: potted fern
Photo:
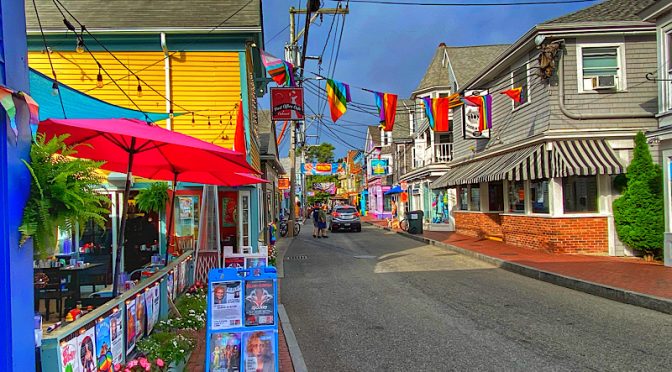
(63, 192)
(153, 199)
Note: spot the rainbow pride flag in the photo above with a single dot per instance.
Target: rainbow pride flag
(338, 96)
(7, 102)
(387, 109)
(437, 113)
(282, 72)
(484, 104)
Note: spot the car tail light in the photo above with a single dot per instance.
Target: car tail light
(357, 214)
(335, 214)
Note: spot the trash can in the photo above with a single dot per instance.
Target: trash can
(415, 219)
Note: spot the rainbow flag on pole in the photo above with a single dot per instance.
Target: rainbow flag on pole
(484, 104)
(282, 72)
(387, 109)
(437, 110)
(338, 96)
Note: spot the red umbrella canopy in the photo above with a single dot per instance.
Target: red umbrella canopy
(208, 177)
(153, 148)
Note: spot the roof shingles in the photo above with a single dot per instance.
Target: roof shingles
(606, 11)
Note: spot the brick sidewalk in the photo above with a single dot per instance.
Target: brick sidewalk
(197, 360)
(631, 274)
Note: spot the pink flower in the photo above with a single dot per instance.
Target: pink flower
(132, 363)
(144, 364)
(159, 362)
(117, 367)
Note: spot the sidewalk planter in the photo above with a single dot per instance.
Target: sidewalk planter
(181, 366)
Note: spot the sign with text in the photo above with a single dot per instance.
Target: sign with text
(283, 183)
(379, 167)
(322, 169)
(470, 120)
(287, 104)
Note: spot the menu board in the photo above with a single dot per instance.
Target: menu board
(226, 305)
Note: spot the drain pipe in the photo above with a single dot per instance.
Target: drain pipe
(166, 69)
(585, 116)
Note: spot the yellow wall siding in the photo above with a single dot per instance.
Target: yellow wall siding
(207, 83)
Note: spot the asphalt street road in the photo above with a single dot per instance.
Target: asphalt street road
(376, 301)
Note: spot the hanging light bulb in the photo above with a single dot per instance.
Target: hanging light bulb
(80, 45)
(208, 121)
(99, 78)
(193, 121)
(54, 88)
(220, 119)
(139, 87)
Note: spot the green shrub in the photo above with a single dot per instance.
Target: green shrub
(639, 212)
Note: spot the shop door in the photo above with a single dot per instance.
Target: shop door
(228, 217)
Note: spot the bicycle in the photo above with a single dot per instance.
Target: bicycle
(284, 228)
(403, 224)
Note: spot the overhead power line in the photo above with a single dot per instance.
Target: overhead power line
(516, 3)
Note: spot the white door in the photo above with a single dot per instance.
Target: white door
(244, 226)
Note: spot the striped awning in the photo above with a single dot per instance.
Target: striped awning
(566, 158)
(585, 158)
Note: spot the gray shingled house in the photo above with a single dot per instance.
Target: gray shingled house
(542, 176)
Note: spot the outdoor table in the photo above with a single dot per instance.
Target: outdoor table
(74, 271)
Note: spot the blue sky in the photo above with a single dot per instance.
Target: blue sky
(387, 48)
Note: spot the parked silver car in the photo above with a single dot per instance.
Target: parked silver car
(345, 217)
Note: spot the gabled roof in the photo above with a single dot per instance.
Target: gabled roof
(402, 120)
(268, 148)
(147, 15)
(606, 11)
(467, 61)
(374, 131)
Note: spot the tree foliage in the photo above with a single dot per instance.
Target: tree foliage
(154, 198)
(62, 193)
(322, 153)
(639, 212)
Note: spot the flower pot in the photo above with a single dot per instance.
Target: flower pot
(179, 367)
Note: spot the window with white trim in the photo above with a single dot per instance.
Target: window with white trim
(667, 75)
(601, 67)
(520, 77)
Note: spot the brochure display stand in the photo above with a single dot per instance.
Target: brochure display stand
(242, 320)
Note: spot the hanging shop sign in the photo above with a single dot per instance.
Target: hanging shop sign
(283, 183)
(379, 167)
(322, 169)
(287, 104)
(328, 187)
(472, 127)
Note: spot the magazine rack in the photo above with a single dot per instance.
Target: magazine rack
(242, 320)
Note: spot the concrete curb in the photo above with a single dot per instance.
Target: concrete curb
(292, 344)
(612, 293)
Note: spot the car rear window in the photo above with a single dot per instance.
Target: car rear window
(346, 210)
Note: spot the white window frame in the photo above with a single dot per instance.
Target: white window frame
(666, 72)
(241, 237)
(528, 96)
(621, 78)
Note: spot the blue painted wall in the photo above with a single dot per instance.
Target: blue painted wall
(16, 263)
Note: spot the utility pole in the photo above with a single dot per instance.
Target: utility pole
(312, 11)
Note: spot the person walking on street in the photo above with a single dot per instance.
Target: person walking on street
(323, 221)
(316, 221)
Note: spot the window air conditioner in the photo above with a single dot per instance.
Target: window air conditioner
(604, 82)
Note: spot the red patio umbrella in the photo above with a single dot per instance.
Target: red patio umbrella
(134, 146)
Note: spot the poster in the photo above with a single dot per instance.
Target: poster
(149, 308)
(131, 326)
(183, 277)
(86, 349)
(156, 307)
(186, 205)
(226, 352)
(176, 278)
(104, 360)
(140, 316)
(170, 284)
(259, 303)
(117, 337)
(259, 350)
(229, 209)
(227, 305)
(252, 262)
(69, 356)
(235, 262)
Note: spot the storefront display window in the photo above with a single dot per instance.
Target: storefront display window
(440, 212)
(387, 203)
(187, 215)
(495, 197)
(579, 194)
(540, 197)
(516, 197)
(463, 198)
(475, 198)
